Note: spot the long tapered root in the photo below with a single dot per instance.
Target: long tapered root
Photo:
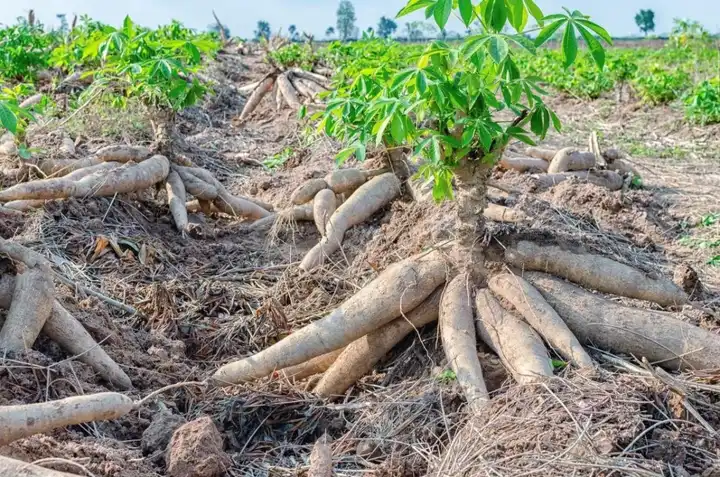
(32, 302)
(299, 213)
(541, 316)
(359, 357)
(256, 98)
(324, 205)
(399, 289)
(500, 213)
(100, 183)
(176, 201)
(541, 153)
(363, 204)
(521, 350)
(17, 468)
(524, 164)
(596, 272)
(289, 92)
(26, 420)
(311, 367)
(660, 337)
(114, 153)
(570, 159)
(459, 341)
(307, 191)
(609, 179)
(71, 335)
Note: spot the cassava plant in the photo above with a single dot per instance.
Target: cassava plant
(442, 116)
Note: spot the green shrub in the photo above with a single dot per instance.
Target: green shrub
(702, 105)
(659, 86)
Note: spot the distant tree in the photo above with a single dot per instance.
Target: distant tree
(214, 27)
(414, 31)
(386, 27)
(330, 31)
(64, 27)
(263, 30)
(346, 20)
(645, 20)
(294, 35)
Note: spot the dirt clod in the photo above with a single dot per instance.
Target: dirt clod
(196, 450)
(157, 436)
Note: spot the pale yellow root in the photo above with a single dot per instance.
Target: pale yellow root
(541, 153)
(66, 331)
(16, 468)
(256, 97)
(32, 303)
(312, 367)
(61, 167)
(524, 164)
(24, 205)
(293, 214)
(26, 420)
(321, 463)
(541, 316)
(570, 159)
(116, 153)
(289, 92)
(31, 101)
(307, 190)
(279, 101)
(128, 178)
(609, 179)
(663, 338)
(195, 206)
(520, 349)
(324, 205)
(500, 213)
(176, 201)
(359, 357)
(301, 88)
(195, 186)
(363, 204)
(312, 86)
(595, 272)
(460, 342)
(399, 289)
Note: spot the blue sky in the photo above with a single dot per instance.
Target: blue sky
(315, 16)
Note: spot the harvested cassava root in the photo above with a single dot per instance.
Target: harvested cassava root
(596, 272)
(292, 87)
(460, 343)
(363, 204)
(359, 357)
(33, 290)
(324, 205)
(398, 290)
(25, 420)
(660, 337)
(17, 468)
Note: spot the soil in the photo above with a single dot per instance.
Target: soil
(231, 292)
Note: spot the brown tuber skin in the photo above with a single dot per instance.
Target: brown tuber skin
(541, 153)
(176, 201)
(312, 367)
(608, 179)
(595, 272)
(324, 205)
(570, 159)
(66, 331)
(17, 468)
(26, 420)
(399, 289)
(363, 204)
(460, 341)
(660, 337)
(500, 213)
(524, 164)
(520, 349)
(359, 357)
(541, 316)
(32, 303)
(307, 191)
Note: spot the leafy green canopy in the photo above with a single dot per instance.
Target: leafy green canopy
(446, 106)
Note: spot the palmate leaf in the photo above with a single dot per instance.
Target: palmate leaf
(8, 119)
(442, 11)
(569, 45)
(596, 49)
(466, 11)
(415, 5)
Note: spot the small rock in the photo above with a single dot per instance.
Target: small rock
(160, 431)
(196, 450)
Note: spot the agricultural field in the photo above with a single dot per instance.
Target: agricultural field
(498, 255)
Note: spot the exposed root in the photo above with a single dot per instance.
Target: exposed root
(570, 159)
(256, 97)
(595, 272)
(293, 214)
(176, 201)
(541, 316)
(609, 179)
(321, 464)
(460, 343)
(500, 213)
(324, 205)
(312, 367)
(17, 468)
(307, 191)
(289, 92)
(541, 153)
(363, 204)
(32, 302)
(519, 347)
(399, 289)
(657, 336)
(524, 164)
(359, 357)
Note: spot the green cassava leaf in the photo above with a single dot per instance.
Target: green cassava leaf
(535, 11)
(8, 119)
(596, 49)
(600, 31)
(442, 11)
(569, 45)
(547, 32)
(466, 11)
(498, 48)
